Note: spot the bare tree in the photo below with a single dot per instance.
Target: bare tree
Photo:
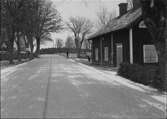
(155, 17)
(47, 20)
(59, 43)
(29, 23)
(86, 44)
(80, 27)
(12, 20)
(103, 17)
(86, 30)
(34, 20)
(69, 42)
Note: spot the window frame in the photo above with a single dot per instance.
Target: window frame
(144, 55)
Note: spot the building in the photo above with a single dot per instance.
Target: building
(124, 39)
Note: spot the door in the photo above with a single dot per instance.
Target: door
(119, 54)
(106, 54)
(96, 54)
(112, 51)
(101, 50)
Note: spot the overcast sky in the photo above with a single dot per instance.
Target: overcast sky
(85, 8)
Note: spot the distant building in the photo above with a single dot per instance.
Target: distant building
(124, 39)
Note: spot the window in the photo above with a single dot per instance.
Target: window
(142, 25)
(105, 53)
(96, 54)
(150, 54)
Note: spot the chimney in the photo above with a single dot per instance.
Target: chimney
(136, 4)
(122, 8)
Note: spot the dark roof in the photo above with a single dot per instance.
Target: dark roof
(119, 22)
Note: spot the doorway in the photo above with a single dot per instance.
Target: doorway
(119, 53)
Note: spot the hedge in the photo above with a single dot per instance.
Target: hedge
(145, 74)
(6, 55)
(60, 50)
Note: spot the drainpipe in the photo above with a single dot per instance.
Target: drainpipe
(131, 44)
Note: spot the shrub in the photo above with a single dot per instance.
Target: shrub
(147, 75)
(5, 55)
(124, 70)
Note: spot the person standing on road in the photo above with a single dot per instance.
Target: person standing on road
(67, 54)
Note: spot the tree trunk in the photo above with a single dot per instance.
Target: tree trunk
(30, 43)
(77, 46)
(161, 48)
(26, 42)
(163, 58)
(80, 45)
(162, 67)
(165, 36)
(1, 41)
(31, 47)
(157, 26)
(79, 49)
(18, 47)
(38, 47)
(3, 36)
(78, 52)
(11, 43)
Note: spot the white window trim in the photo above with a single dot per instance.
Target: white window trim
(142, 25)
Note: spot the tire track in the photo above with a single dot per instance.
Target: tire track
(47, 91)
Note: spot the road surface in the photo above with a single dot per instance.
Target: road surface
(55, 87)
